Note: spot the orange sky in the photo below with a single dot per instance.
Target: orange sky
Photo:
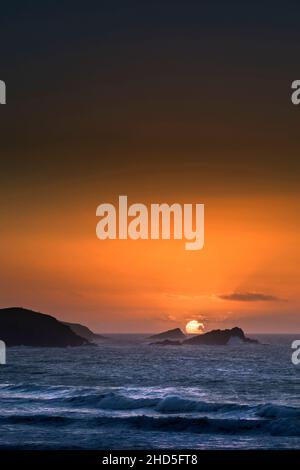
(53, 262)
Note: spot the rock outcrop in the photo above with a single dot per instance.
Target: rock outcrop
(166, 342)
(174, 335)
(220, 337)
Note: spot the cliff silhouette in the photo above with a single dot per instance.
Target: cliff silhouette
(20, 326)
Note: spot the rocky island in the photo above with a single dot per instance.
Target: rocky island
(172, 335)
(221, 337)
(215, 338)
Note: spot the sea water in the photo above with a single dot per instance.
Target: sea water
(125, 394)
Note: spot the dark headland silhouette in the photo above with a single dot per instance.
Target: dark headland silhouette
(23, 327)
(214, 338)
(85, 332)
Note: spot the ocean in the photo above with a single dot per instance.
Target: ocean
(125, 394)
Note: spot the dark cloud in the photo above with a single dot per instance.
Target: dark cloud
(249, 297)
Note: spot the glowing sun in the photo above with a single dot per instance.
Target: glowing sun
(194, 327)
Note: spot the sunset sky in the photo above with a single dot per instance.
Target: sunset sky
(174, 102)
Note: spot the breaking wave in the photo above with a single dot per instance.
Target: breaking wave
(203, 425)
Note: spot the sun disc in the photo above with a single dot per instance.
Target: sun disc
(194, 327)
